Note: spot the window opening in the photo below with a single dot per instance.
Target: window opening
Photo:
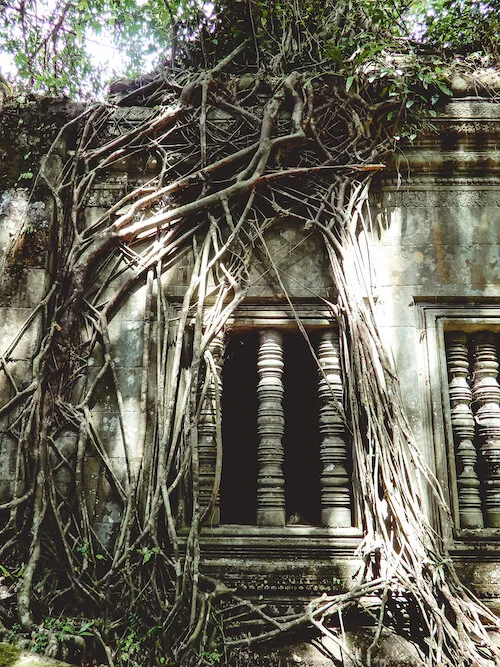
(474, 391)
(302, 468)
(239, 430)
(285, 451)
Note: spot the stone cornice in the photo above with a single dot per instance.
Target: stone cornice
(462, 149)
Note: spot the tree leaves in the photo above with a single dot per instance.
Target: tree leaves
(465, 26)
(58, 47)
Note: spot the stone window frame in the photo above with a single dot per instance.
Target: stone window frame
(249, 538)
(436, 317)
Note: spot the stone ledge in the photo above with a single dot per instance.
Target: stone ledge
(393, 651)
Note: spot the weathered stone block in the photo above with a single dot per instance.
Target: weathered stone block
(12, 321)
(133, 306)
(8, 457)
(300, 259)
(20, 372)
(126, 338)
(109, 428)
(438, 225)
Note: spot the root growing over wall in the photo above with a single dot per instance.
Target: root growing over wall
(293, 146)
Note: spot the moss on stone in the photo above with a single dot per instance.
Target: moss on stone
(11, 656)
(8, 654)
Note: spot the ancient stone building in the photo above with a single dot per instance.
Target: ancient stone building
(286, 527)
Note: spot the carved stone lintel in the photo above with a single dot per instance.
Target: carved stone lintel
(207, 441)
(270, 430)
(462, 421)
(486, 394)
(335, 486)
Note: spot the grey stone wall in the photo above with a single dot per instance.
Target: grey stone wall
(434, 244)
(435, 251)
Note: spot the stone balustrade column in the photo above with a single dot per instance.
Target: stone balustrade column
(463, 426)
(335, 486)
(486, 395)
(207, 435)
(270, 430)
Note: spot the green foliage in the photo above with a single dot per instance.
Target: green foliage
(464, 26)
(54, 44)
(147, 554)
(59, 627)
(15, 634)
(47, 44)
(213, 657)
(137, 644)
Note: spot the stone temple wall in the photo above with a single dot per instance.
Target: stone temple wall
(436, 260)
(434, 270)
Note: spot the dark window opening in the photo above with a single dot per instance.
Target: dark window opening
(238, 501)
(301, 441)
(239, 431)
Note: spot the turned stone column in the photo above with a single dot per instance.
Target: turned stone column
(207, 435)
(270, 429)
(335, 487)
(486, 394)
(463, 425)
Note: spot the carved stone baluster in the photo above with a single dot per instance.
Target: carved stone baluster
(207, 440)
(270, 429)
(486, 394)
(463, 425)
(335, 488)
